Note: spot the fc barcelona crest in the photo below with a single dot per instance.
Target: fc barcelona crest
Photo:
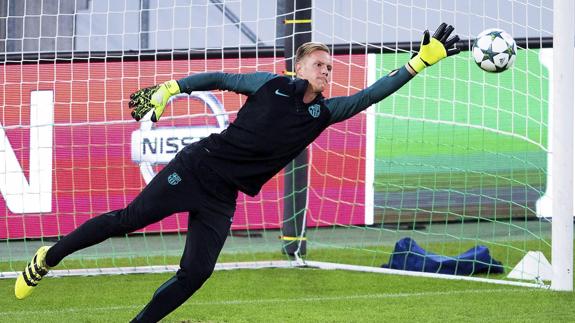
(314, 110)
(174, 179)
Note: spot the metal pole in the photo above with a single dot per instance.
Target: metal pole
(297, 31)
(243, 28)
(144, 24)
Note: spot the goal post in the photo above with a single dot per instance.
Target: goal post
(562, 136)
(457, 158)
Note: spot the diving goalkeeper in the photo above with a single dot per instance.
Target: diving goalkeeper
(280, 118)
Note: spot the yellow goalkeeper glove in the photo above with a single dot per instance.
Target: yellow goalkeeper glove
(435, 48)
(152, 98)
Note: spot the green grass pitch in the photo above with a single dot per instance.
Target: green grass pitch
(290, 295)
(416, 153)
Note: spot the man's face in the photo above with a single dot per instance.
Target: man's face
(316, 69)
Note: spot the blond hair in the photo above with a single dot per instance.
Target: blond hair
(307, 48)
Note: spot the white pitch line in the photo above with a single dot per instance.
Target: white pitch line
(273, 301)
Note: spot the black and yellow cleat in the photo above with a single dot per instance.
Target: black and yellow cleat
(32, 274)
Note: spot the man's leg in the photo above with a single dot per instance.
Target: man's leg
(158, 200)
(205, 239)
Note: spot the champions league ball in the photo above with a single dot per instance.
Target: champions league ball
(494, 50)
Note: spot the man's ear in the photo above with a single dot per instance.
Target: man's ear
(298, 67)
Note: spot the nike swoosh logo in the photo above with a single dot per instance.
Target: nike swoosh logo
(281, 94)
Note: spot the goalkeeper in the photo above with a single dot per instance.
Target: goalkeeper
(280, 118)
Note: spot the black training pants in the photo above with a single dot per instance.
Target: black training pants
(185, 184)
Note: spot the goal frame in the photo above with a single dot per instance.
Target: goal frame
(562, 141)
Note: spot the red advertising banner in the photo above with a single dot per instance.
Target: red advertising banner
(69, 149)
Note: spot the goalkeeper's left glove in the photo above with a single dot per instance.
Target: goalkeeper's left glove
(152, 98)
(435, 48)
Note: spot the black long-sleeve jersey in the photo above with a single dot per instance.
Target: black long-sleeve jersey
(275, 125)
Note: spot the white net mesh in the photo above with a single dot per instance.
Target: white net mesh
(455, 159)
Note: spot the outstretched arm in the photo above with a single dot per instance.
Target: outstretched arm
(432, 50)
(345, 107)
(156, 97)
(240, 83)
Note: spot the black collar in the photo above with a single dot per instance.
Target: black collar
(299, 86)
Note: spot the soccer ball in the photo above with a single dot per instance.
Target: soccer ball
(494, 50)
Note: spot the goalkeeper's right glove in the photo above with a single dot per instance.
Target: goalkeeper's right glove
(152, 98)
(435, 49)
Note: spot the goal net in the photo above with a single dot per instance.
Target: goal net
(454, 162)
